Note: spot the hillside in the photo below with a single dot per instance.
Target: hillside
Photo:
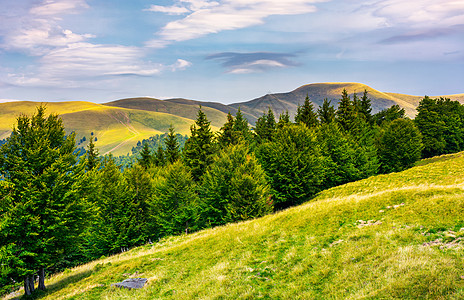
(117, 129)
(317, 92)
(390, 236)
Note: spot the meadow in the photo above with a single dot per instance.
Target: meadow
(395, 236)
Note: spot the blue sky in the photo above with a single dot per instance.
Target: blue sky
(226, 51)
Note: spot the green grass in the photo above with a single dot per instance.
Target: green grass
(319, 250)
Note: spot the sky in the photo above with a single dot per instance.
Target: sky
(226, 50)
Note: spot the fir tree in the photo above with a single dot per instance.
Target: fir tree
(228, 135)
(284, 119)
(265, 127)
(92, 156)
(172, 152)
(305, 114)
(160, 158)
(146, 158)
(241, 127)
(200, 147)
(365, 107)
(326, 112)
(44, 214)
(344, 113)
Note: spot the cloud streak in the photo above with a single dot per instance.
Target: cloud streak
(244, 63)
(207, 17)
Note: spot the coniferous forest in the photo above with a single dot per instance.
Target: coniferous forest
(58, 210)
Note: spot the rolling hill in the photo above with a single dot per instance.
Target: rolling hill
(120, 124)
(117, 129)
(396, 236)
(317, 92)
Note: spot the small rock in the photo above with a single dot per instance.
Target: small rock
(462, 277)
(388, 207)
(462, 229)
(381, 211)
(131, 283)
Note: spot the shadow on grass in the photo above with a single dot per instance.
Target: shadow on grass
(38, 294)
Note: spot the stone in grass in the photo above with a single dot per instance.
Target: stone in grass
(131, 283)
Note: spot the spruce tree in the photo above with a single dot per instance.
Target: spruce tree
(160, 158)
(305, 114)
(44, 213)
(146, 158)
(365, 107)
(326, 112)
(234, 188)
(200, 147)
(265, 127)
(344, 113)
(228, 136)
(172, 152)
(284, 119)
(241, 127)
(92, 156)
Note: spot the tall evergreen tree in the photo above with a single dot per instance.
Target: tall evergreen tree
(305, 114)
(389, 114)
(326, 112)
(294, 165)
(228, 136)
(242, 128)
(365, 107)
(44, 214)
(146, 158)
(160, 158)
(344, 113)
(284, 119)
(200, 147)
(265, 127)
(92, 156)
(234, 188)
(172, 152)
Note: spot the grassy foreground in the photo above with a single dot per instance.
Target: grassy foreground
(389, 236)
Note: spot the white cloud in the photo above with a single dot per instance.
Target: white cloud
(180, 64)
(170, 10)
(208, 17)
(58, 7)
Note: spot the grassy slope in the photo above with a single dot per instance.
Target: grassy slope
(313, 251)
(117, 129)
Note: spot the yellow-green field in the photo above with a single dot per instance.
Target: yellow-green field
(396, 236)
(117, 129)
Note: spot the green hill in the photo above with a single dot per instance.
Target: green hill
(390, 236)
(117, 129)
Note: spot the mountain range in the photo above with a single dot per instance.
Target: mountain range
(120, 124)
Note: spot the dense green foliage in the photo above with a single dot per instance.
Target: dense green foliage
(441, 123)
(400, 146)
(41, 217)
(216, 178)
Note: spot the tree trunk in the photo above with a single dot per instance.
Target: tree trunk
(27, 291)
(31, 284)
(41, 279)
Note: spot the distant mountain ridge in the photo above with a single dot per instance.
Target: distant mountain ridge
(120, 124)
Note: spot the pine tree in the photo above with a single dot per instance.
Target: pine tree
(344, 113)
(294, 165)
(146, 158)
(326, 112)
(92, 156)
(305, 114)
(228, 135)
(234, 188)
(242, 128)
(265, 127)
(200, 147)
(365, 108)
(160, 158)
(172, 152)
(44, 214)
(284, 119)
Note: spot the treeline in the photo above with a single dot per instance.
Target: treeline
(57, 211)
